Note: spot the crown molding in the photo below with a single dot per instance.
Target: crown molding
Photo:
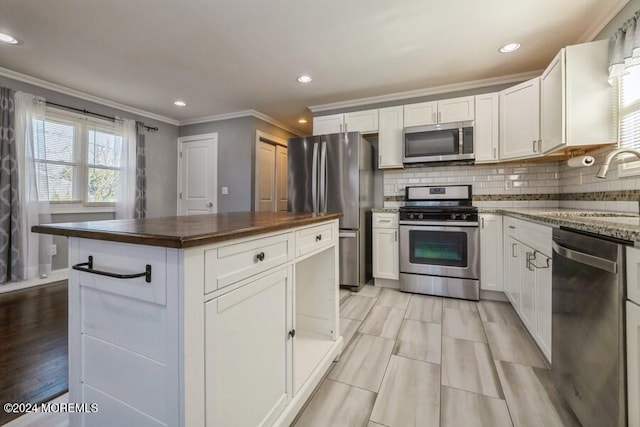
(474, 84)
(83, 95)
(239, 114)
(598, 25)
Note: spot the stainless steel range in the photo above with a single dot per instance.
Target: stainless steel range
(439, 244)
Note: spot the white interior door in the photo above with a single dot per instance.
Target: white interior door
(265, 177)
(281, 178)
(198, 172)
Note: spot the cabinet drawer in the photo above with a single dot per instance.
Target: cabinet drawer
(385, 220)
(537, 236)
(633, 274)
(228, 264)
(313, 238)
(122, 258)
(511, 227)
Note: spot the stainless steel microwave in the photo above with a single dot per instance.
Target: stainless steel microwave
(448, 142)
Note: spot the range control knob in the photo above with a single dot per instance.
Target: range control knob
(453, 216)
(464, 216)
(420, 216)
(410, 216)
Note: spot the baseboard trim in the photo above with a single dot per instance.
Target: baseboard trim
(54, 276)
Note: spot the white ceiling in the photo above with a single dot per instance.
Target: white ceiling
(223, 56)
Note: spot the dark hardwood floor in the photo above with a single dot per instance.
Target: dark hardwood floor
(33, 345)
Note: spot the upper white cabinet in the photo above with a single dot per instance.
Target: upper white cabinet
(391, 124)
(386, 262)
(491, 252)
(487, 128)
(520, 120)
(576, 98)
(443, 111)
(365, 121)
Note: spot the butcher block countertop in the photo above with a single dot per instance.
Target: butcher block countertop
(184, 231)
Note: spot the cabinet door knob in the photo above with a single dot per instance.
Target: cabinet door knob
(260, 256)
(210, 204)
(292, 333)
(318, 237)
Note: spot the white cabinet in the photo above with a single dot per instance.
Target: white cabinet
(527, 277)
(491, 253)
(486, 139)
(442, 111)
(520, 120)
(633, 274)
(385, 246)
(575, 98)
(255, 319)
(633, 363)
(390, 127)
(365, 121)
(323, 125)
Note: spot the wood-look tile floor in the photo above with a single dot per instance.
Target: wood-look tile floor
(416, 360)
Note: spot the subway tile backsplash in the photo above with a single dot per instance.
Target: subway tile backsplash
(536, 185)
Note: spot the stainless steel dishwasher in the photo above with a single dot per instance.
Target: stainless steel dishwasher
(588, 326)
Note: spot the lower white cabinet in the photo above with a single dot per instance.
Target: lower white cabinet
(491, 253)
(633, 363)
(249, 383)
(527, 277)
(386, 261)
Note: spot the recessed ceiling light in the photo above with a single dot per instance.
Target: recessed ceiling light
(179, 103)
(510, 47)
(303, 121)
(304, 79)
(6, 38)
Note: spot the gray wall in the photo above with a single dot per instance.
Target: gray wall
(617, 21)
(236, 157)
(161, 161)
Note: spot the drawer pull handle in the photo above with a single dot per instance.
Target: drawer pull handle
(260, 256)
(512, 227)
(318, 237)
(87, 267)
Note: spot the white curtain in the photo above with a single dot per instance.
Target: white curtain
(34, 248)
(624, 48)
(125, 206)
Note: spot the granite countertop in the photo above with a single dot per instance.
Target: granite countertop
(184, 231)
(625, 226)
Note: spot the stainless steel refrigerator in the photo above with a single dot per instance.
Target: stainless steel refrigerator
(334, 173)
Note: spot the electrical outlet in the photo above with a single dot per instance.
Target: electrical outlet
(54, 250)
(225, 190)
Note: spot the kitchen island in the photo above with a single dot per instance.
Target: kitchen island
(216, 320)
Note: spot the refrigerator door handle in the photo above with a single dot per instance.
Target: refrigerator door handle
(323, 178)
(314, 179)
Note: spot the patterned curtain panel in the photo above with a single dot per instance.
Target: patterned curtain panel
(141, 178)
(9, 252)
(624, 48)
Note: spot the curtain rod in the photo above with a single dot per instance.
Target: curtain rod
(95, 114)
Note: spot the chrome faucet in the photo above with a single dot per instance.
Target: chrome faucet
(602, 172)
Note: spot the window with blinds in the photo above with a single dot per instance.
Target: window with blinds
(77, 159)
(630, 109)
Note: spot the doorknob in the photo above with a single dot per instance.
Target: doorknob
(210, 204)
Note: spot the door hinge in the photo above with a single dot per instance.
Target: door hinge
(180, 196)
(181, 154)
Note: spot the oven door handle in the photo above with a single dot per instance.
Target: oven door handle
(441, 223)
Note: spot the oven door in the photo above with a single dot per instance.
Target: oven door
(437, 250)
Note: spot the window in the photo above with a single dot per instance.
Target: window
(630, 119)
(630, 109)
(77, 160)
